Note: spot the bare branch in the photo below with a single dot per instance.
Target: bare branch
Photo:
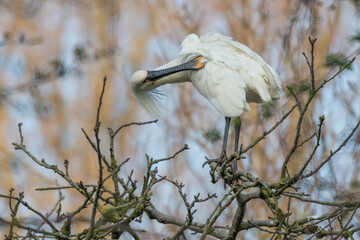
(185, 147)
(269, 131)
(134, 123)
(197, 227)
(332, 153)
(46, 233)
(100, 179)
(20, 199)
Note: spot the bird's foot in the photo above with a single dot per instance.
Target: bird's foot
(218, 160)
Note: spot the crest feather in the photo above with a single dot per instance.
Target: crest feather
(151, 101)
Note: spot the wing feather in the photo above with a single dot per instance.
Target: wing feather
(233, 74)
(221, 87)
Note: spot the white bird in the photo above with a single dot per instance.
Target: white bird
(227, 73)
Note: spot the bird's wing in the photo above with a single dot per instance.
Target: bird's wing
(218, 83)
(233, 74)
(262, 79)
(221, 86)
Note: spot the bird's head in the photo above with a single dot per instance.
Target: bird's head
(145, 92)
(139, 76)
(144, 83)
(138, 81)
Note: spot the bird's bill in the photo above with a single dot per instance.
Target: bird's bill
(194, 64)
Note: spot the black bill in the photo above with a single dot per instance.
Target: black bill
(194, 64)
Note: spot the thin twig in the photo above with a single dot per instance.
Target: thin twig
(21, 136)
(185, 147)
(100, 179)
(134, 123)
(311, 64)
(332, 153)
(24, 203)
(301, 117)
(348, 222)
(348, 204)
(93, 145)
(46, 233)
(268, 131)
(318, 137)
(58, 203)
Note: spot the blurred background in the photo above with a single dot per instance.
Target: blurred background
(54, 55)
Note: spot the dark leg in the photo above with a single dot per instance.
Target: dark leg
(226, 136)
(237, 128)
(223, 149)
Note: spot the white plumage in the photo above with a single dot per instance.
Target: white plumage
(225, 72)
(233, 75)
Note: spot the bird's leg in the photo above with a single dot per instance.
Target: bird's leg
(226, 135)
(237, 128)
(223, 149)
